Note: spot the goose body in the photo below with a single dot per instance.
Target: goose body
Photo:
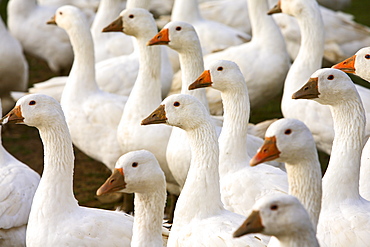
(282, 216)
(206, 222)
(92, 114)
(56, 219)
(139, 172)
(13, 67)
(26, 22)
(345, 215)
(241, 185)
(264, 61)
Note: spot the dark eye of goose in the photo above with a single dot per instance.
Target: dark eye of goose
(131, 16)
(220, 68)
(176, 104)
(367, 56)
(274, 207)
(135, 164)
(178, 28)
(32, 102)
(330, 77)
(288, 132)
(60, 12)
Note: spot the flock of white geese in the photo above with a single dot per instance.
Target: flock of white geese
(126, 104)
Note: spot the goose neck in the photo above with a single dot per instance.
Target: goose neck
(83, 68)
(143, 4)
(304, 238)
(304, 180)
(56, 184)
(149, 212)
(202, 187)
(186, 10)
(311, 52)
(341, 180)
(233, 137)
(264, 28)
(147, 87)
(191, 62)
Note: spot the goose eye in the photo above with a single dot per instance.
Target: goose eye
(135, 164)
(32, 102)
(274, 207)
(178, 28)
(60, 12)
(131, 16)
(367, 56)
(330, 77)
(176, 104)
(288, 132)
(220, 68)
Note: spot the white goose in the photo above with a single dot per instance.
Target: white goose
(182, 37)
(317, 117)
(282, 216)
(18, 184)
(26, 22)
(289, 140)
(241, 185)
(56, 219)
(206, 222)
(359, 64)
(345, 215)
(139, 172)
(92, 115)
(213, 35)
(264, 61)
(13, 67)
(145, 95)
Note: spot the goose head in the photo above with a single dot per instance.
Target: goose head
(66, 16)
(358, 64)
(276, 215)
(37, 110)
(135, 172)
(286, 140)
(328, 87)
(177, 35)
(133, 21)
(180, 110)
(222, 75)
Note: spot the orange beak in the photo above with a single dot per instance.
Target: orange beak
(162, 38)
(114, 183)
(347, 65)
(267, 152)
(14, 116)
(52, 21)
(204, 80)
(115, 26)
